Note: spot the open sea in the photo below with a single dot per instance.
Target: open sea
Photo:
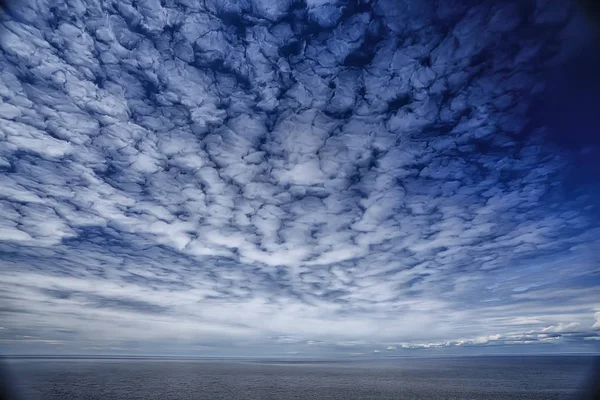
(465, 378)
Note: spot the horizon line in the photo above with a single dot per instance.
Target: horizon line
(291, 356)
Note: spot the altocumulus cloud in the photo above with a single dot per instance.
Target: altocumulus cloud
(287, 177)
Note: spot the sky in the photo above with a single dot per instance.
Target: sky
(298, 177)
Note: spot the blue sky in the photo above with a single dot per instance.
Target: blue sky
(309, 177)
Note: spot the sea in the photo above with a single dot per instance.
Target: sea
(460, 378)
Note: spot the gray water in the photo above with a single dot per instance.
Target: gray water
(468, 378)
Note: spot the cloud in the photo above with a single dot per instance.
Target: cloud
(273, 175)
(597, 321)
(561, 327)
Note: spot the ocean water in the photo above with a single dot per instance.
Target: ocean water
(466, 378)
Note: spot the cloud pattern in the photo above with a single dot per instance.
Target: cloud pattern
(288, 177)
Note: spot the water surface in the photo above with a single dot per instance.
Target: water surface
(468, 378)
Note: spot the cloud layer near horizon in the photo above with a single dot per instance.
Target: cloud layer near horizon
(287, 175)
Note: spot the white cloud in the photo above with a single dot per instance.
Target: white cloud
(191, 181)
(597, 321)
(561, 327)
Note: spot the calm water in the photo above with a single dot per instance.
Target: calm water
(468, 378)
